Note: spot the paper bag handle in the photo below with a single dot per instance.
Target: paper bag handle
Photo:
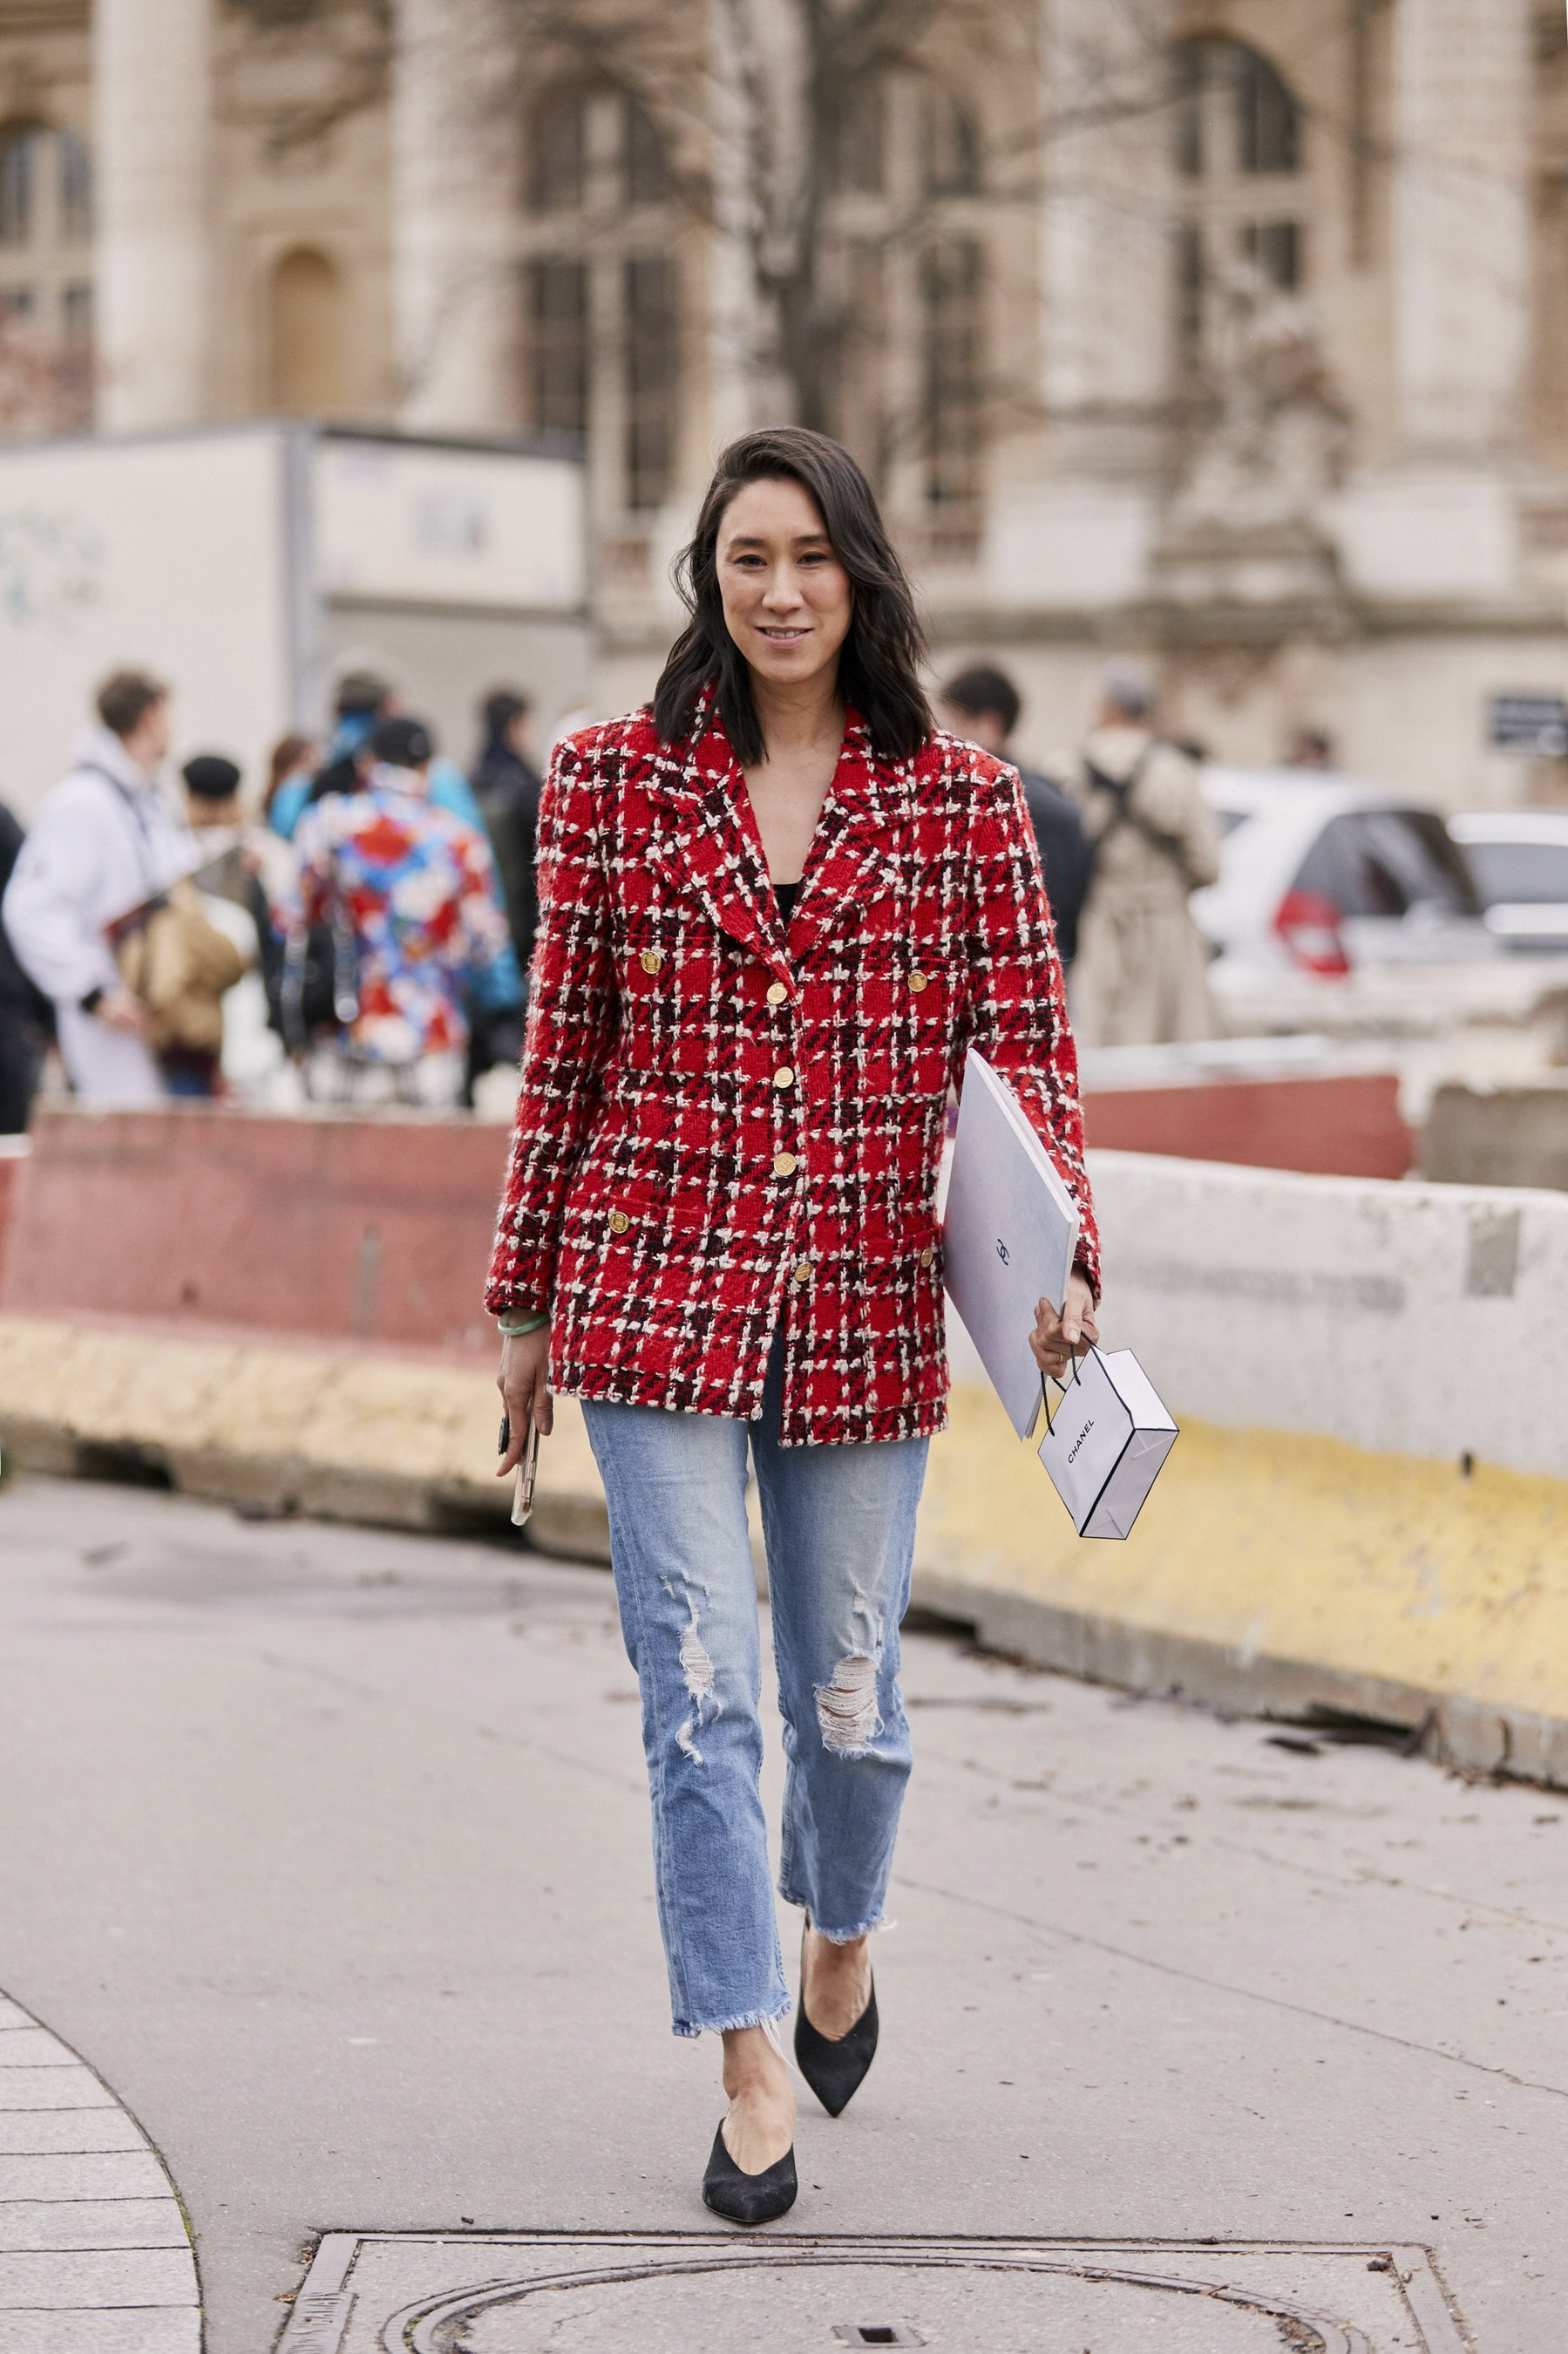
(1063, 1386)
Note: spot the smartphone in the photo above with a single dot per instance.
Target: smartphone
(522, 1494)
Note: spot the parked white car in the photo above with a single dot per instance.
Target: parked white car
(1518, 860)
(1321, 875)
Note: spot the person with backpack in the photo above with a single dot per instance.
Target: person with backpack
(1141, 977)
(983, 706)
(105, 841)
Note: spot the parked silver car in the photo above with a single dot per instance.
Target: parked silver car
(1518, 860)
(1322, 874)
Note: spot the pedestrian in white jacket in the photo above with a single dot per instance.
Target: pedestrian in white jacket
(104, 840)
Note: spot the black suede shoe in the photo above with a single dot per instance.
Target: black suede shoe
(742, 2197)
(835, 2067)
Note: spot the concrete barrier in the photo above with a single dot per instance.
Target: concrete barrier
(1279, 1574)
(1416, 1319)
(1367, 1509)
(378, 1228)
(1368, 1506)
(358, 1228)
(1498, 1135)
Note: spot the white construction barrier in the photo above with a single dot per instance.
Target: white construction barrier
(1411, 1319)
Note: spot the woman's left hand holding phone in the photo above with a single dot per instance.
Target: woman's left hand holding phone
(524, 1387)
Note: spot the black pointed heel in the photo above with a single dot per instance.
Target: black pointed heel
(835, 2067)
(742, 2197)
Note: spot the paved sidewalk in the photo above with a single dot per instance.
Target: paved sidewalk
(94, 2254)
(327, 1848)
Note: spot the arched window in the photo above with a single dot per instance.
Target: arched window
(855, 133)
(953, 373)
(20, 156)
(305, 334)
(602, 288)
(46, 279)
(645, 159)
(900, 298)
(952, 146)
(952, 292)
(1240, 155)
(557, 154)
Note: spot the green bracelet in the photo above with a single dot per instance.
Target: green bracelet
(522, 1327)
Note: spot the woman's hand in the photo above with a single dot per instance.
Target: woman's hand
(117, 1009)
(1056, 1339)
(525, 1362)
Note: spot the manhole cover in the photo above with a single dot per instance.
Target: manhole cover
(482, 2293)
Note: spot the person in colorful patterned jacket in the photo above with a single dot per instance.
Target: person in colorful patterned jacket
(416, 886)
(777, 908)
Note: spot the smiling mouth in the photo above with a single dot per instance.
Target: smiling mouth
(783, 636)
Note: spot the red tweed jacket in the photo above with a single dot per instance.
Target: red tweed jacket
(722, 1126)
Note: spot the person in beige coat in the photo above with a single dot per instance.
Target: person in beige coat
(1142, 974)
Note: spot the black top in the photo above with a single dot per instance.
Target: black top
(17, 990)
(1065, 854)
(785, 893)
(507, 790)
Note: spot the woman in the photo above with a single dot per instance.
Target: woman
(776, 908)
(292, 763)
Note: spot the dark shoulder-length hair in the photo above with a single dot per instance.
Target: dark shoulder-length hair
(879, 662)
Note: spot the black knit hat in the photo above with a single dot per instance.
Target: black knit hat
(401, 743)
(211, 778)
(361, 691)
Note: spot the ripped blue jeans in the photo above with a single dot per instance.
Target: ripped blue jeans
(839, 1529)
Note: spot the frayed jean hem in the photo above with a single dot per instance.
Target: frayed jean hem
(836, 1937)
(731, 2026)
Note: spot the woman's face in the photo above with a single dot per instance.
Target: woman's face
(786, 598)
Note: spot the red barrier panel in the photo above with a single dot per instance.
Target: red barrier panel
(10, 1179)
(369, 1228)
(1343, 1125)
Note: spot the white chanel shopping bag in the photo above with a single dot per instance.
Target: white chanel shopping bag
(1105, 1442)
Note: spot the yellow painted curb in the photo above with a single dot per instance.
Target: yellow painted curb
(1268, 1570)
(339, 1432)
(1271, 1545)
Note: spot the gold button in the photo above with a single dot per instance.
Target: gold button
(785, 1164)
(917, 983)
(783, 1077)
(777, 992)
(802, 1271)
(651, 959)
(618, 1222)
(928, 1256)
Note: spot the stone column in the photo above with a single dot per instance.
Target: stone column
(1106, 241)
(1081, 536)
(154, 106)
(1461, 257)
(455, 192)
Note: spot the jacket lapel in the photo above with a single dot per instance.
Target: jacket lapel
(853, 860)
(704, 839)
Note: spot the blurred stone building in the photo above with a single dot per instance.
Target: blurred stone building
(1232, 332)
